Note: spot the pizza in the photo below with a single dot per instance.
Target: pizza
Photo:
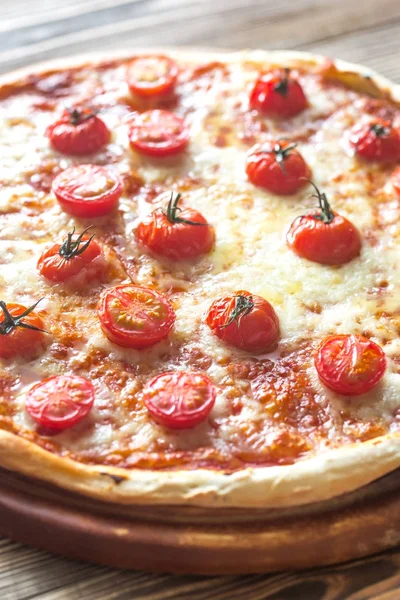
(199, 282)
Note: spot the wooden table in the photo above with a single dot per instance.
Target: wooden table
(34, 30)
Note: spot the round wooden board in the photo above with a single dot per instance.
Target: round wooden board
(179, 540)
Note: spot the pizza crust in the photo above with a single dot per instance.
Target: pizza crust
(309, 481)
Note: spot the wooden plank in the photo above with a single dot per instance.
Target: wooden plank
(378, 48)
(22, 570)
(20, 12)
(230, 23)
(84, 16)
(45, 577)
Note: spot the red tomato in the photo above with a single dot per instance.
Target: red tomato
(176, 233)
(134, 316)
(179, 400)
(87, 190)
(323, 236)
(158, 133)
(396, 180)
(277, 167)
(21, 330)
(376, 140)
(153, 75)
(278, 95)
(60, 402)
(78, 254)
(350, 364)
(78, 131)
(245, 321)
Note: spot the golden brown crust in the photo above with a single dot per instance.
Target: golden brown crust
(308, 481)
(313, 480)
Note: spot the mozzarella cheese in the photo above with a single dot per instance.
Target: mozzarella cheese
(311, 300)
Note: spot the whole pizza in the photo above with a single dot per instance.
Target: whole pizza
(199, 278)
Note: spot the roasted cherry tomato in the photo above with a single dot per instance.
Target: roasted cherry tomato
(78, 254)
(323, 236)
(158, 133)
(179, 400)
(350, 364)
(245, 321)
(396, 180)
(176, 233)
(21, 330)
(134, 316)
(278, 95)
(152, 75)
(78, 131)
(376, 141)
(277, 167)
(60, 402)
(87, 190)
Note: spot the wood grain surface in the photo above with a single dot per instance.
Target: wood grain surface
(33, 30)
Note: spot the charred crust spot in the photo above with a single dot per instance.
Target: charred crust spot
(117, 479)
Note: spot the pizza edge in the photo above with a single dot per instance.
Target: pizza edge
(312, 480)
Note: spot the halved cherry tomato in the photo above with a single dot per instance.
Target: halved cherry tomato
(277, 167)
(278, 95)
(21, 330)
(396, 180)
(152, 75)
(245, 321)
(134, 316)
(179, 400)
(350, 364)
(323, 236)
(158, 133)
(376, 140)
(78, 254)
(176, 233)
(78, 131)
(60, 402)
(87, 190)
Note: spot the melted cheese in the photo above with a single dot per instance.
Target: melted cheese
(250, 254)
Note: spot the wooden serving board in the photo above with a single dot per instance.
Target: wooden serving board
(180, 540)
